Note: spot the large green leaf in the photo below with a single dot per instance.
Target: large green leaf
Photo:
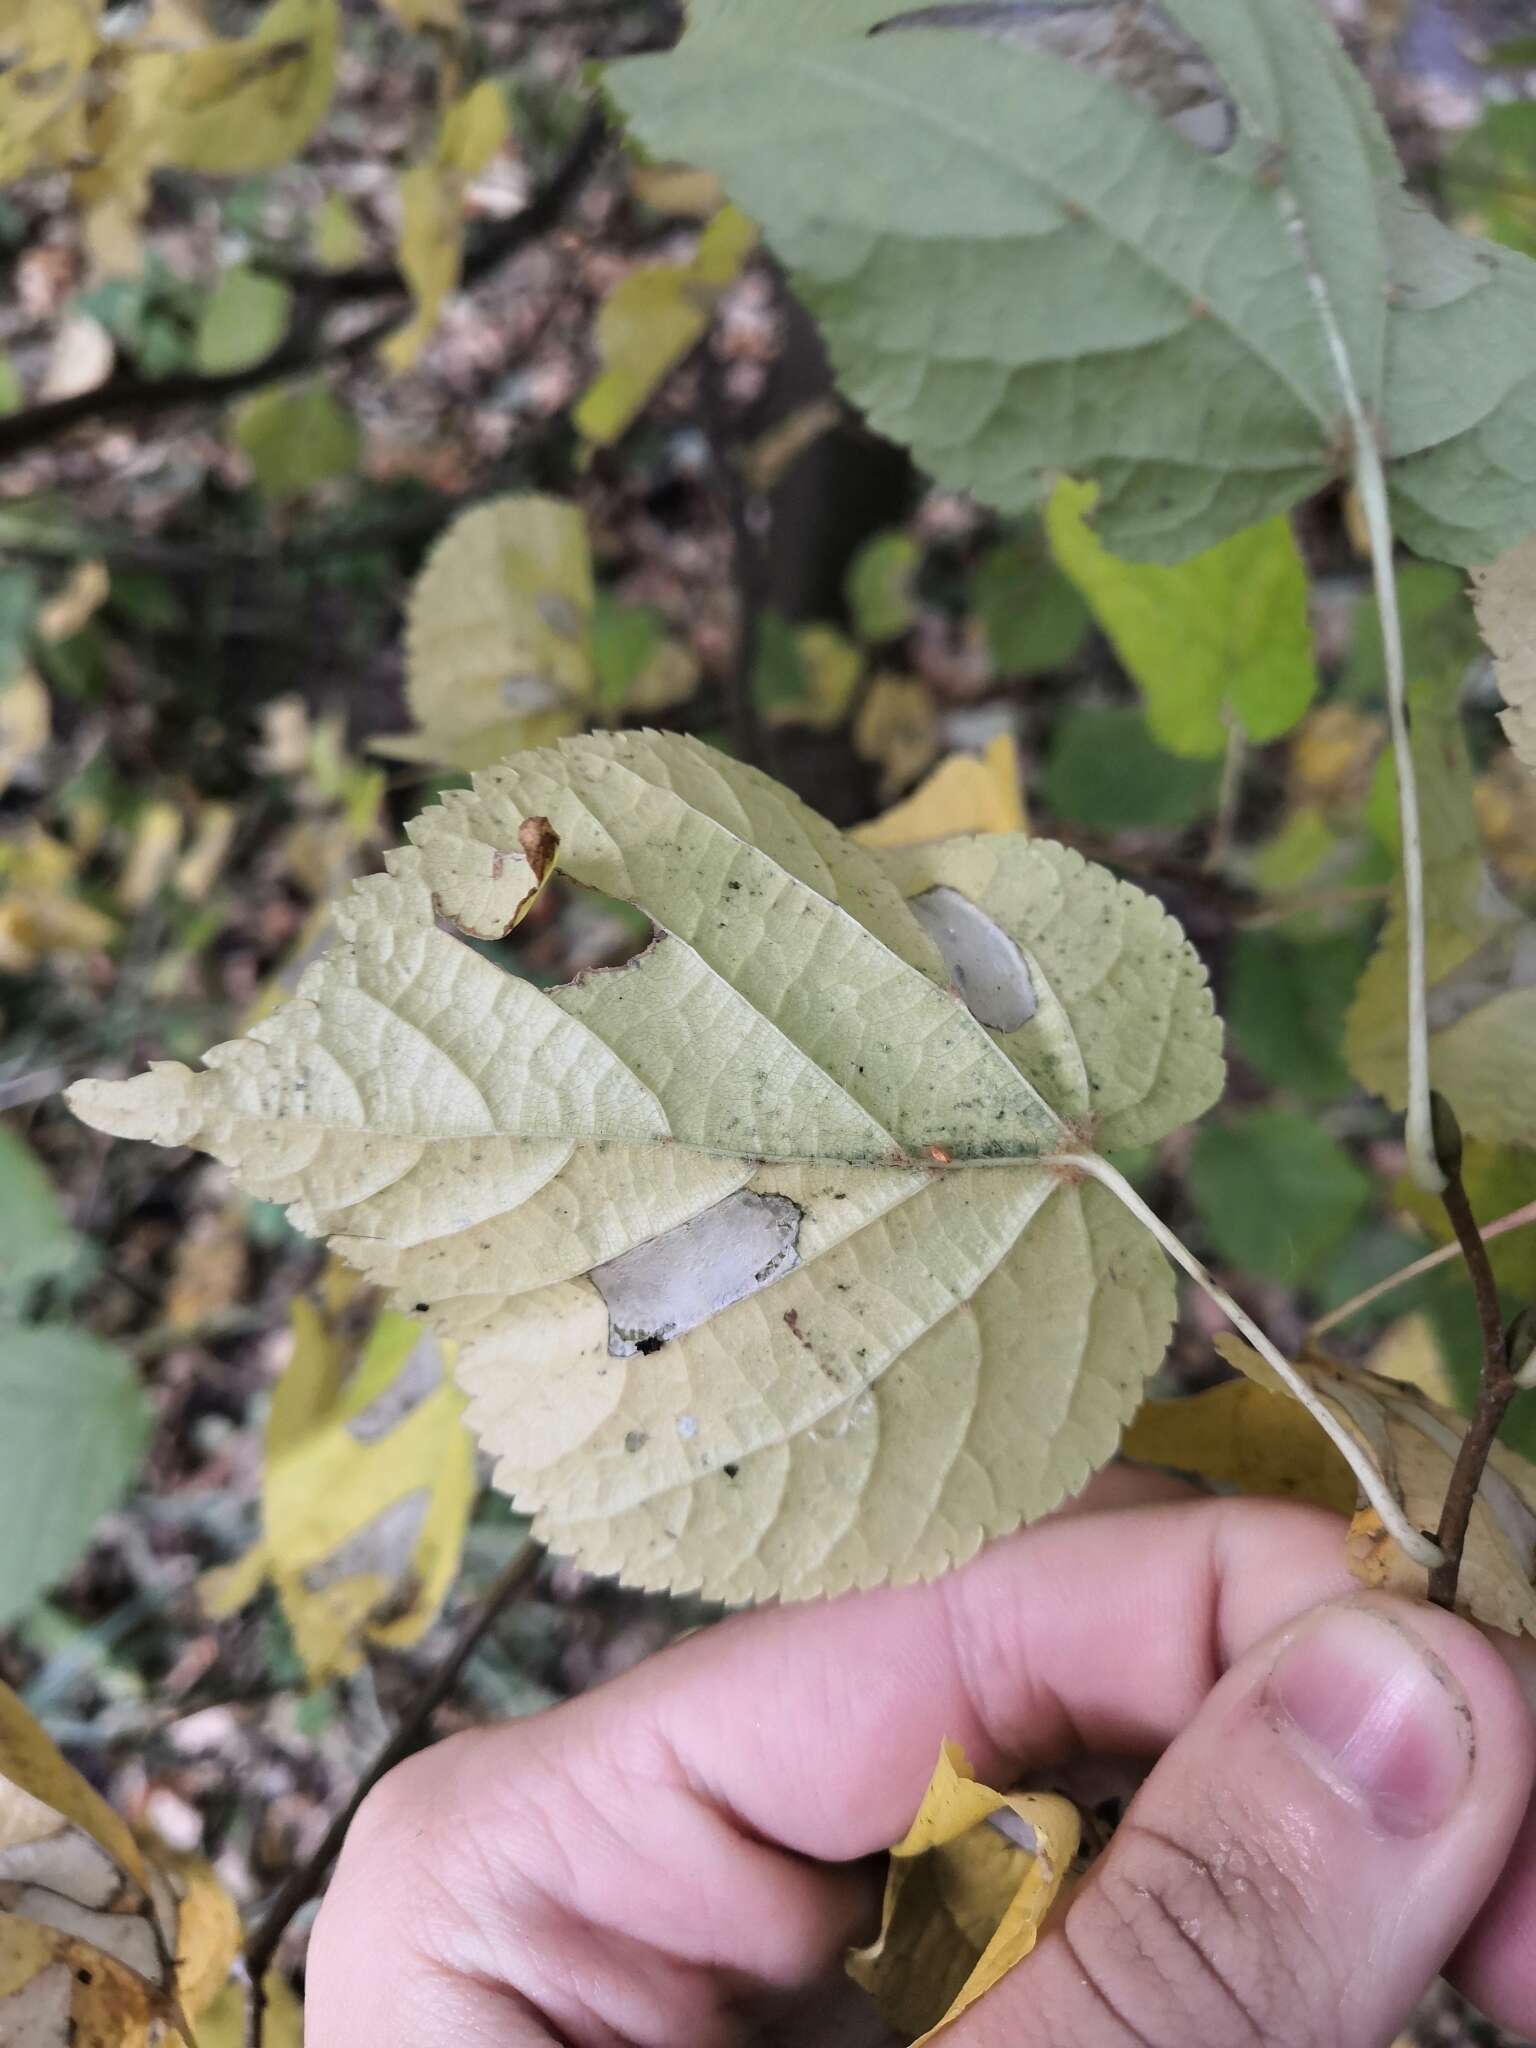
(73, 1424)
(763, 1278)
(1031, 251)
(36, 1242)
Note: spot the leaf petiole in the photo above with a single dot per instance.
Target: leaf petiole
(1418, 1546)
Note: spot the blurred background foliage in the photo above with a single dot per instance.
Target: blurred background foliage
(433, 424)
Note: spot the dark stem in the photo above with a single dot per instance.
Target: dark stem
(302, 1884)
(129, 394)
(747, 563)
(1495, 1392)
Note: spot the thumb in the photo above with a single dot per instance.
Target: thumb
(1304, 1857)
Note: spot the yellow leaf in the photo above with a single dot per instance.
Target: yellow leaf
(1411, 1353)
(203, 862)
(40, 916)
(474, 130)
(898, 728)
(207, 1931)
(157, 834)
(234, 108)
(76, 603)
(832, 665)
(498, 650)
(656, 317)
(368, 1486)
(1252, 1435)
(963, 794)
(46, 48)
(1333, 756)
(26, 725)
(967, 1890)
(431, 254)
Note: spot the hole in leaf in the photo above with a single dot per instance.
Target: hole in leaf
(984, 964)
(672, 1283)
(1132, 43)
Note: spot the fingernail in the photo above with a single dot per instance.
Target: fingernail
(1377, 1716)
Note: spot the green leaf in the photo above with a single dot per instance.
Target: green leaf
(245, 318)
(1105, 771)
(1032, 615)
(1490, 176)
(36, 1242)
(1274, 1193)
(762, 1277)
(12, 395)
(880, 587)
(1007, 299)
(1286, 1004)
(73, 1425)
(297, 436)
(1218, 640)
(20, 595)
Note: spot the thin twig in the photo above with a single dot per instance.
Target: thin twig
(739, 502)
(303, 1883)
(128, 394)
(1496, 1390)
(1372, 1484)
(1229, 800)
(1517, 1219)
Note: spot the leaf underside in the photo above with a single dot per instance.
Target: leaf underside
(760, 1279)
(1022, 264)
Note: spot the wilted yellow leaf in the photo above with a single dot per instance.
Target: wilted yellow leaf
(366, 1494)
(968, 1888)
(203, 862)
(209, 1270)
(234, 108)
(963, 794)
(653, 319)
(40, 915)
(103, 1940)
(897, 727)
(1253, 1435)
(498, 650)
(26, 724)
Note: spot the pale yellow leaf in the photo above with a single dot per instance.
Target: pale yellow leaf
(475, 129)
(431, 243)
(366, 1493)
(1410, 1352)
(230, 109)
(761, 1275)
(898, 728)
(653, 319)
(498, 647)
(963, 794)
(967, 1891)
(26, 724)
(80, 359)
(81, 597)
(40, 913)
(203, 861)
(1505, 595)
(152, 851)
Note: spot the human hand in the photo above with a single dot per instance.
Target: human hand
(677, 1860)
